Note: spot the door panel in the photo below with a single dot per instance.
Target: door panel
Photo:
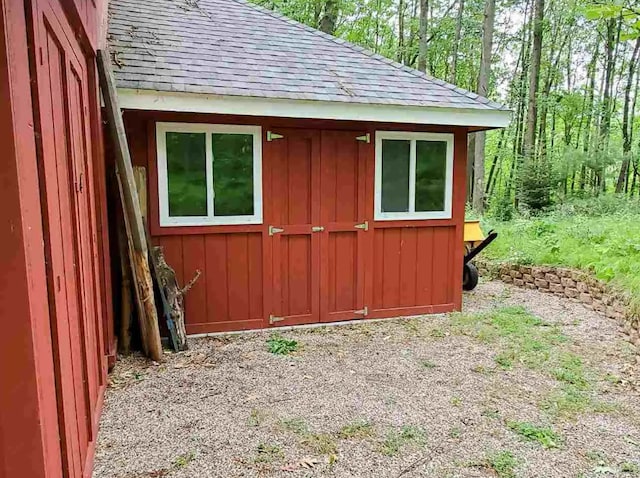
(342, 214)
(71, 230)
(295, 210)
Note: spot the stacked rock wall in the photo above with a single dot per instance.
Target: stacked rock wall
(576, 285)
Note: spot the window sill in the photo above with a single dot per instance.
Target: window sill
(182, 230)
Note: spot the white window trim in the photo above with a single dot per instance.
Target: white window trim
(210, 219)
(412, 214)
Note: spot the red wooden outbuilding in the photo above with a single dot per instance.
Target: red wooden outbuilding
(55, 292)
(307, 179)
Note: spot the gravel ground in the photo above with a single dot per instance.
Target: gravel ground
(419, 400)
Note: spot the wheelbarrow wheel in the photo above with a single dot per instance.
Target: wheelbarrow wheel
(470, 276)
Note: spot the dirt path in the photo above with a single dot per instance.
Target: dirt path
(465, 396)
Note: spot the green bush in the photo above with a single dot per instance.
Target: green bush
(600, 235)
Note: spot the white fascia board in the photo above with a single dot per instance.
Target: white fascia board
(255, 106)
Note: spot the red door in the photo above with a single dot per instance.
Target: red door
(70, 224)
(317, 226)
(295, 212)
(343, 216)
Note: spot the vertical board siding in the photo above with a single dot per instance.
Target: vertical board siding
(413, 266)
(229, 289)
(312, 177)
(67, 127)
(194, 260)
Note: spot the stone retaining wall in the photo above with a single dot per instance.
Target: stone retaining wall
(575, 285)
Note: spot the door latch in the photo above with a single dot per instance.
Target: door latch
(273, 319)
(317, 229)
(364, 226)
(364, 311)
(275, 230)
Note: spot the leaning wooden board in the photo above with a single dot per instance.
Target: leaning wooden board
(131, 207)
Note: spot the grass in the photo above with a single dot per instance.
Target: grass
(183, 460)
(295, 425)
(358, 429)
(268, 453)
(542, 435)
(395, 440)
(278, 345)
(628, 467)
(427, 364)
(601, 236)
(256, 417)
(320, 443)
(520, 337)
(503, 463)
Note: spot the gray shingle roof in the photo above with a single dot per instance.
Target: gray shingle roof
(231, 47)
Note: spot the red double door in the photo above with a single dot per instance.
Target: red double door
(318, 228)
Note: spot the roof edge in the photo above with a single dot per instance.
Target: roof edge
(375, 56)
(152, 100)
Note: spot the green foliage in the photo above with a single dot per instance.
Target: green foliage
(279, 345)
(601, 236)
(536, 184)
(521, 337)
(356, 430)
(320, 443)
(542, 435)
(183, 460)
(395, 440)
(268, 453)
(295, 425)
(503, 463)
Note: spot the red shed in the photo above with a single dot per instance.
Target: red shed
(308, 179)
(55, 300)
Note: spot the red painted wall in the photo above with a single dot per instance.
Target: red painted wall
(54, 286)
(395, 268)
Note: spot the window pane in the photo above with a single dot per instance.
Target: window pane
(233, 174)
(431, 169)
(395, 175)
(186, 174)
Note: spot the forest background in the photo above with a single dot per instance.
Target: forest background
(567, 69)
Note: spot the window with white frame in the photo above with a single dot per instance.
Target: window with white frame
(414, 175)
(209, 174)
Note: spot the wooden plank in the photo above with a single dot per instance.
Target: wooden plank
(131, 207)
(163, 274)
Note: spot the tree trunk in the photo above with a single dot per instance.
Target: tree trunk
(330, 17)
(534, 82)
(401, 9)
(483, 86)
(422, 40)
(456, 43)
(626, 133)
(605, 121)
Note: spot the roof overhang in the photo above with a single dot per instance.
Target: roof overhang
(476, 119)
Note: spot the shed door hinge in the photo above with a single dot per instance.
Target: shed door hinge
(275, 230)
(273, 319)
(364, 226)
(365, 138)
(271, 136)
(364, 311)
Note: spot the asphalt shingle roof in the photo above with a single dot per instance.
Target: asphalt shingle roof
(234, 48)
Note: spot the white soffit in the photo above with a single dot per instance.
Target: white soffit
(255, 106)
